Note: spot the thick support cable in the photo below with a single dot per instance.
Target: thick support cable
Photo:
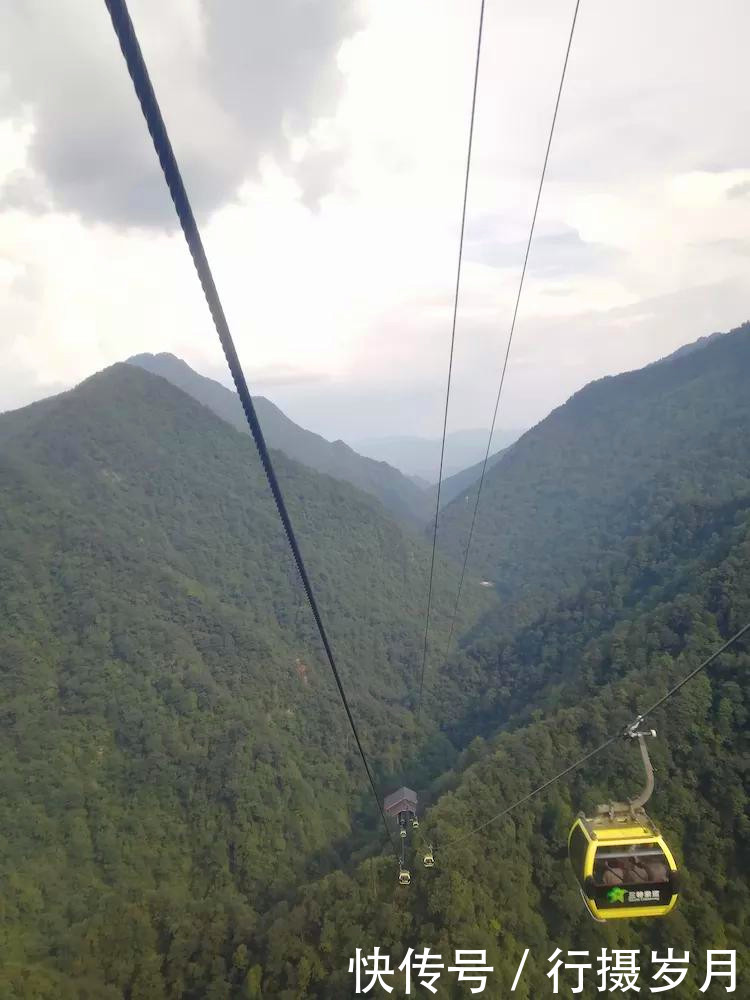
(513, 325)
(453, 342)
(131, 50)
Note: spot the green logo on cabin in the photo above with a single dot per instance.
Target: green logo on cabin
(616, 895)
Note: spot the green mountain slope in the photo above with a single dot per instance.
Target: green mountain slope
(596, 660)
(171, 740)
(653, 604)
(396, 492)
(599, 468)
(175, 768)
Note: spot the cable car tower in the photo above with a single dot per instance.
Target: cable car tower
(403, 805)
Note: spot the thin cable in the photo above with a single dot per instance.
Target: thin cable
(593, 753)
(706, 663)
(453, 341)
(537, 791)
(513, 325)
(131, 50)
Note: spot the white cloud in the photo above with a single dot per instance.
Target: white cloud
(336, 256)
(236, 80)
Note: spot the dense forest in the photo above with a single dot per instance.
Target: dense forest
(507, 888)
(168, 721)
(183, 812)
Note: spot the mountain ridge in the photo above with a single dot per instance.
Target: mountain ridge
(171, 737)
(394, 490)
(583, 478)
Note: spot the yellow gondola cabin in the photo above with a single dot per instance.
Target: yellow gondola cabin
(621, 861)
(623, 866)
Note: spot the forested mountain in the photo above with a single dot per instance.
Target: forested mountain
(581, 673)
(398, 494)
(182, 815)
(171, 741)
(606, 464)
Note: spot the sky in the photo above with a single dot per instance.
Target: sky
(323, 143)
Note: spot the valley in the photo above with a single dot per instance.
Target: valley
(177, 770)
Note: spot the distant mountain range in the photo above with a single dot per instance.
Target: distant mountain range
(420, 457)
(398, 494)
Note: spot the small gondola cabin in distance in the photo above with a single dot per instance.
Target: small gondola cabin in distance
(623, 866)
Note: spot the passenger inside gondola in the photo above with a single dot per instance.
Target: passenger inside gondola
(658, 869)
(635, 871)
(622, 866)
(609, 872)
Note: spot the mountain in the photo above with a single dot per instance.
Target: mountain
(590, 476)
(597, 658)
(645, 610)
(171, 741)
(420, 457)
(697, 345)
(395, 491)
(182, 813)
(465, 483)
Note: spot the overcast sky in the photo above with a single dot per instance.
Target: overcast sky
(323, 143)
